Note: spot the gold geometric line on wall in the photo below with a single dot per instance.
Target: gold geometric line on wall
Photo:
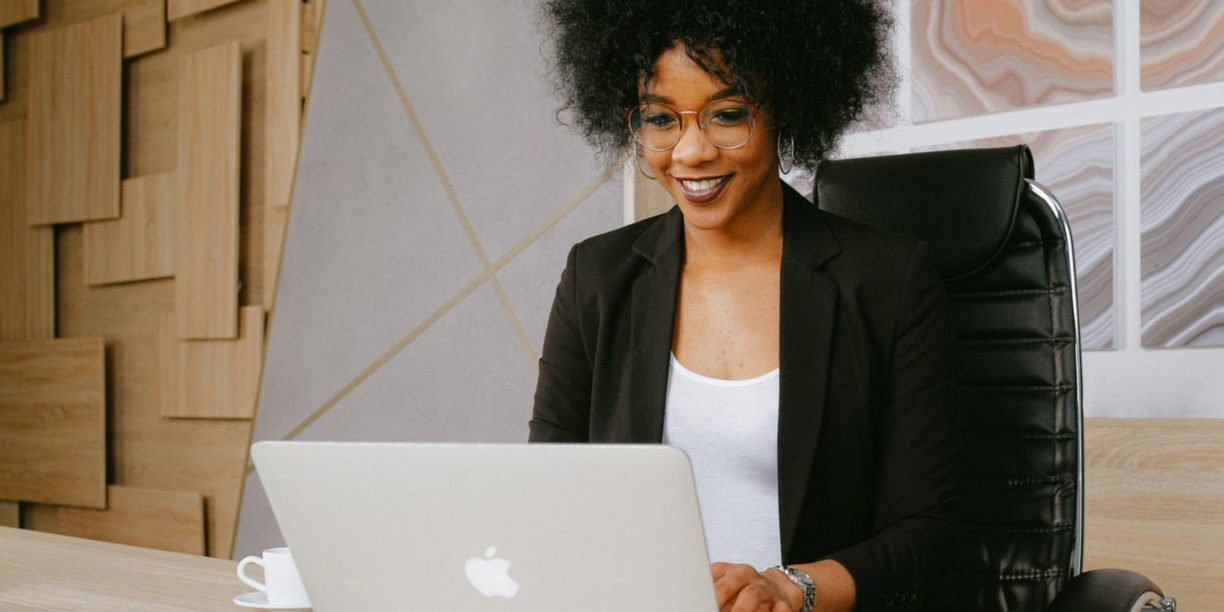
(554, 218)
(522, 245)
(473, 240)
(389, 354)
(441, 311)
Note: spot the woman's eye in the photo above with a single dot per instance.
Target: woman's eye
(730, 116)
(659, 120)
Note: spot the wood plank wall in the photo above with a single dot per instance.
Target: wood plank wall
(53, 421)
(174, 483)
(209, 116)
(72, 131)
(139, 244)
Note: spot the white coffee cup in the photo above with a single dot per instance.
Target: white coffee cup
(282, 583)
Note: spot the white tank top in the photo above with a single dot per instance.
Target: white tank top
(729, 428)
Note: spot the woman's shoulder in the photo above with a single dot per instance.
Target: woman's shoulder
(628, 245)
(874, 267)
(861, 251)
(621, 240)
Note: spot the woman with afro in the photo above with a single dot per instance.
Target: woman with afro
(805, 363)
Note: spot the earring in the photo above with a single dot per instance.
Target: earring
(637, 157)
(786, 157)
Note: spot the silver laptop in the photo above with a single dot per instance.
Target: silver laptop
(395, 526)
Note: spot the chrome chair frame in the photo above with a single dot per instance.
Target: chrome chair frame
(1147, 601)
(1077, 553)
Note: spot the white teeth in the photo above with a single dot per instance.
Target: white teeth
(705, 185)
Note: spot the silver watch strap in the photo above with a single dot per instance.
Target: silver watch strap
(802, 580)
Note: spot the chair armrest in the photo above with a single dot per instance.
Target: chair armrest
(1110, 590)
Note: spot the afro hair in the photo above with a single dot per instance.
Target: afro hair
(817, 65)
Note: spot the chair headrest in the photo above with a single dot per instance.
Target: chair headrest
(961, 202)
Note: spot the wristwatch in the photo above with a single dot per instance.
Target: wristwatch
(802, 580)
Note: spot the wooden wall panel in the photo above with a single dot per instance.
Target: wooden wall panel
(27, 254)
(53, 421)
(206, 254)
(276, 221)
(17, 11)
(312, 26)
(205, 455)
(10, 514)
(177, 9)
(144, 25)
(72, 137)
(284, 100)
(17, 82)
(1155, 503)
(211, 378)
(147, 450)
(153, 518)
(144, 21)
(3, 65)
(187, 454)
(151, 98)
(151, 107)
(138, 245)
(276, 218)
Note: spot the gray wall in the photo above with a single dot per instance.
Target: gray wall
(435, 201)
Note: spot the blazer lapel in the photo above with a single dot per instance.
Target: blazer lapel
(807, 308)
(652, 318)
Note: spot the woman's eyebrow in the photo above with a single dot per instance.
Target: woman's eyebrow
(648, 98)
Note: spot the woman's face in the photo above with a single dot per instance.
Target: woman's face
(746, 177)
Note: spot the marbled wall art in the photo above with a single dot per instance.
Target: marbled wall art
(1181, 42)
(1182, 225)
(1077, 166)
(977, 56)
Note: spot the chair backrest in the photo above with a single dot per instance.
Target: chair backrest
(1003, 246)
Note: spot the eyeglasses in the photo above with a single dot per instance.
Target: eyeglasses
(726, 123)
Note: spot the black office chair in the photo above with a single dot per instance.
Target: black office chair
(1003, 246)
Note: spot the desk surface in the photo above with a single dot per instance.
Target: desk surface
(44, 571)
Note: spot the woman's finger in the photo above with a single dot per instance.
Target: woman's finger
(751, 597)
(734, 577)
(725, 590)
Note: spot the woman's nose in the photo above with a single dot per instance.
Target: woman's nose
(692, 149)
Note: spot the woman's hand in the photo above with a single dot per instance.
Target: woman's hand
(741, 588)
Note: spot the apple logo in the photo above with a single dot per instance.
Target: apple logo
(491, 576)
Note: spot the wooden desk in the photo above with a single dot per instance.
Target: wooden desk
(52, 572)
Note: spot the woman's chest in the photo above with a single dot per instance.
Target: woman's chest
(727, 323)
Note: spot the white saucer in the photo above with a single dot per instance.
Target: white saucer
(259, 599)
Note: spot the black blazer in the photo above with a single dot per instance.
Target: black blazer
(867, 426)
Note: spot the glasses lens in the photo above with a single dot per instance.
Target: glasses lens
(656, 127)
(727, 123)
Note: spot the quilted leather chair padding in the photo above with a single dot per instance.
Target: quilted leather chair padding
(1002, 253)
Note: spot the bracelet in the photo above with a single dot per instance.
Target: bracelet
(802, 580)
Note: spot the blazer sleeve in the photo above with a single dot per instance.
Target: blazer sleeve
(563, 389)
(917, 501)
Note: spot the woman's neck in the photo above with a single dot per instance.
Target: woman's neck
(754, 236)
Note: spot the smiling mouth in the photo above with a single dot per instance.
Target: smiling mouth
(704, 190)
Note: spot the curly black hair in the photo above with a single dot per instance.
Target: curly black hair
(819, 65)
